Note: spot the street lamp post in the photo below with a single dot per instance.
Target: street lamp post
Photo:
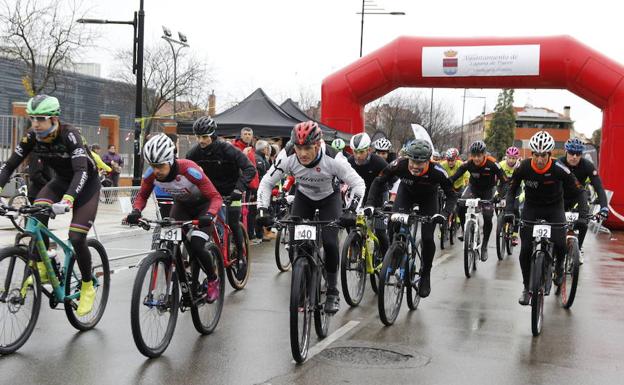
(369, 5)
(138, 24)
(182, 43)
(461, 137)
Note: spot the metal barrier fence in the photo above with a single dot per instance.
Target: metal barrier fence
(11, 130)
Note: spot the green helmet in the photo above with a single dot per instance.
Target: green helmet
(338, 144)
(43, 105)
(418, 150)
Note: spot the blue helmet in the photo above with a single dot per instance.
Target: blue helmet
(574, 145)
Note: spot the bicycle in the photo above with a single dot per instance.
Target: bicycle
(160, 277)
(237, 265)
(22, 286)
(504, 233)
(361, 256)
(308, 290)
(402, 266)
(542, 268)
(472, 233)
(281, 209)
(19, 199)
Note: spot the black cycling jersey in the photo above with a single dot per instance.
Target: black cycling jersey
(66, 154)
(423, 185)
(368, 171)
(583, 171)
(482, 177)
(542, 187)
(225, 165)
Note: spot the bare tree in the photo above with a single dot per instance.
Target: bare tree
(42, 35)
(158, 80)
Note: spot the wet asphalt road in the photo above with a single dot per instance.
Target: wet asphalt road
(468, 331)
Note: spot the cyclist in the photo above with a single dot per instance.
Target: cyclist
(369, 165)
(451, 165)
(227, 168)
(509, 164)
(194, 195)
(339, 145)
(314, 169)
(483, 173)
(543, 179)
(382, 148)
(436, 157)
(75, 184)
(584, 171)
(420, 179)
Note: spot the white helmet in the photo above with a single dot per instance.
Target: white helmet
(382, 144)
(159, 149)
(360, 142)
(542, 142)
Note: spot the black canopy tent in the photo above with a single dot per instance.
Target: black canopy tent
(293, 110)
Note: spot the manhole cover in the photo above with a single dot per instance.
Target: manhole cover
(372, 356)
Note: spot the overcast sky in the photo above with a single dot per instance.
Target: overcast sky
(287, 45)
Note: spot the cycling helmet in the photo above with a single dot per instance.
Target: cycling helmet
(159, 149)
(360, 142)
(477, 147)
(418, 150)
(382, 144)
(338, 144)
(306, 133)
(513, 152)
(43, 105)
(436, 155)
(205, 126)
(452, 153)
(574, 145)
(542, 142)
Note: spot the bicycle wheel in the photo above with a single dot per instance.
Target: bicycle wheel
(413, 278)
(391, 282)
(100, 272)
(206, 315)
(282, 257)
(154, 304)
(377, 261)
(443, 235)
(238, 271)
(321, 319)
(509, 238)
(500, 238)
(537, 293)
(469, 253)
(18, 201)
(353, 269)
(20, 298)
(452, 230)
(571, 273)
(300, 310)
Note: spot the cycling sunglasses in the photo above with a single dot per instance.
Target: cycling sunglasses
(39, 118)
(575, 153)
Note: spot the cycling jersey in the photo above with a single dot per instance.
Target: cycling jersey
(315, 181)
(369, 170)
(583, 171)
(225, 165)
(459, 183)
(508, 169)
(483, 176)
(66, 154)
(186, 183)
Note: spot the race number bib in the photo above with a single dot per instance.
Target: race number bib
(542, 231)
(305, 233)
(473, 203)
(571, 217)
(171, 234)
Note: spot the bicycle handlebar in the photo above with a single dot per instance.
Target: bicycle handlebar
(144, 223)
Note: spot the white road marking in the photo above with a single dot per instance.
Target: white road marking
(441, 259)
(319, 347)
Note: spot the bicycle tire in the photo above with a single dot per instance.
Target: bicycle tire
(500, 238)
(100, 271)
(452, 231)
(469, 256)
(20, 221)
(509, 239)
(169, 308)
(321, 319)
(393, 260)
(239, 279)
(352, 261)
(281, 241)
(443, 235)
(300, 309)
(206, 315)
(571, 274)
(537, 293)
(413, 278)
(13, 302)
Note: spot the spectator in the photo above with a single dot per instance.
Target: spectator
(114, 161)
(263, 151)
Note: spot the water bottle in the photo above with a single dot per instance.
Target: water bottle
(52, 254)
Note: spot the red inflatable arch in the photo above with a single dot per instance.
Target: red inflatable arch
(559, 62)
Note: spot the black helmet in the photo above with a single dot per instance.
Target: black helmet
(418, 150)
(477, 147)
(205, 126)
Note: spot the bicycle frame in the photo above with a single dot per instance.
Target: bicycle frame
(222, 241)
(367, 233)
